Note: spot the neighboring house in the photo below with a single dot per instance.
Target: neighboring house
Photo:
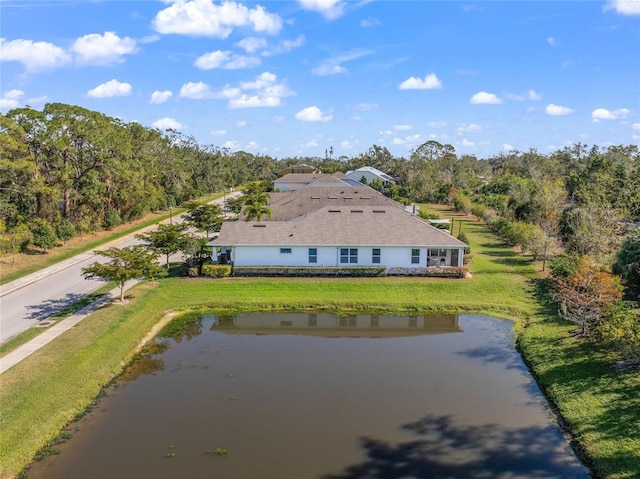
(311, 198)
(370, 174)
(340, 236)
(303, 168)
(294, 181)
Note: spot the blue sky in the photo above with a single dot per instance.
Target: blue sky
(295, 78)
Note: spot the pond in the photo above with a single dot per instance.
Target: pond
(304, 395)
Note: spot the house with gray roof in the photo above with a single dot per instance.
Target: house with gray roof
(341, 236)
(371, 174)
(287, 206)
(294, 181)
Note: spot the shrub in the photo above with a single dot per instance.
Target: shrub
(216, 270)
(43, 235)
(111, 219)
(463, 237)
(564, 265)
(65, 230)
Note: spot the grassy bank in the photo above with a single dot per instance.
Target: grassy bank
(44, 392)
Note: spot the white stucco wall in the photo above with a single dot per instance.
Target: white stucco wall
(390, 256)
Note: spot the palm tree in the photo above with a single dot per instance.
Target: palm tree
(259, 198)
(257, 211)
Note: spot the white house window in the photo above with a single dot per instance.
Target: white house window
(348, 255)
(285, 250)
(415, 256)
(437, 252)
(375, 256)
(313, 255)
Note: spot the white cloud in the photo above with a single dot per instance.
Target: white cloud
(96, 49)
(252, 146)
(366, 106)
(110, 89)
(252, 44)
(158, 97)
(635, 126)
(507, 147)
(329, 9)
(202, 91)
(167, 124)
(624, 7)
(196, 91)
(467, 128)
(484, 98)
(407, 140)
(285, 46)
(205, 18)
(268, 92)
(231, 144)
(604, 114)
(241, 123)
(34, 56)
(534, 96)
(557, 110)
(279, 119)
(370, 22)
(468, 144)
(332, 66)
(402, 127)
(348, 145)
(11, 99)
(327, 69)
(551, 41)
(430, 82)
(531, 95)
(226, 60)
(219, 132)
(437, 124)
(312, 113)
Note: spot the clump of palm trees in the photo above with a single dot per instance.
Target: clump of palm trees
(256, 203)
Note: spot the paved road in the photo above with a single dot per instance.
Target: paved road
(25, 302)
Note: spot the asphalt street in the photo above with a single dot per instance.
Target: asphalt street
(32, 299)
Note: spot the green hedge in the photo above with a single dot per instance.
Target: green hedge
(216, 270)
(300, 271)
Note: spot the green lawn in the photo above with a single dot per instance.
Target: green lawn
(47, 390)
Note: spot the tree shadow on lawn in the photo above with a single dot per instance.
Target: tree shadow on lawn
(443, 449)
(504, 255)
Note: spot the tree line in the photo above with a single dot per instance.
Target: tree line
(66, 171)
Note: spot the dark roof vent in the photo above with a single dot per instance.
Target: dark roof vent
(334, 211)
(379, 211)
(357, 211)
(259, 225)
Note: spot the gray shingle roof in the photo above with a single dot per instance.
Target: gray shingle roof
(312, 198)
(340, 226)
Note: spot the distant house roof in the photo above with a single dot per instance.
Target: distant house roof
(302, 168)
(339, 226)
(369, 169)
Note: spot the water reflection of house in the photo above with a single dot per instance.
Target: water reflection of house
(326, 324)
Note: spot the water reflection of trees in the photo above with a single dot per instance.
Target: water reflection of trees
(447, 450)
(188, 331)
(145, 363)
